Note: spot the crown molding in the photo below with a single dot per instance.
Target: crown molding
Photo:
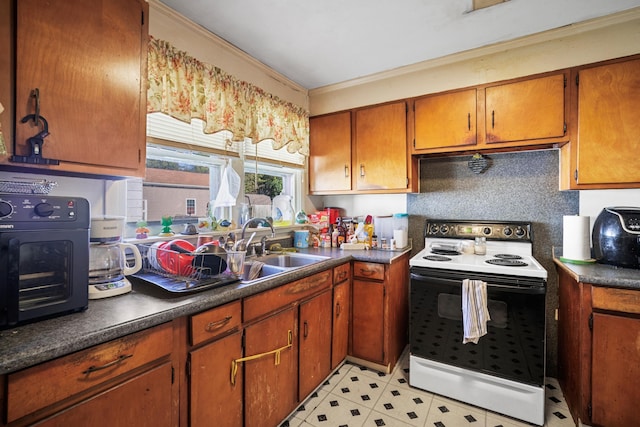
(545, 36)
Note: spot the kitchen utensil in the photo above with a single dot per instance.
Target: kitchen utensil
(212, 257)
(176, 257)
(250, 239)
(237, 245)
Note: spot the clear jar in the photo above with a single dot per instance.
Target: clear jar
(480, 246)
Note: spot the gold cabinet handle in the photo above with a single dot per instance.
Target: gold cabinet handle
(346, 171)
(338, 309)
(213, 326)
(276, 352)
(120, 359)
(361, 170)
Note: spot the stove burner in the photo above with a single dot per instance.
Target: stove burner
(508, 256)
(506, 262)
(444, 252)
(436, 258)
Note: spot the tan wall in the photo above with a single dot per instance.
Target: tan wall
(606, 38)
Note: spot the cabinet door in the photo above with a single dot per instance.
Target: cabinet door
(330, 153)
(144, 400)
(340, 340)
(526, 110)
(609, 124)
(368, 320)
(85, 60)
(315, 339)
(616, 370)
(381, 147)
(446, 120)
(271, 381)
(212, 395)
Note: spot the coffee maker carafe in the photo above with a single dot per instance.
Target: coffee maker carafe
(108, 258)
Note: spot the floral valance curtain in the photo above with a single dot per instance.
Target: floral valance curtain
(185, 88)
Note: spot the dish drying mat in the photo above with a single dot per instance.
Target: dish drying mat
(181, 285)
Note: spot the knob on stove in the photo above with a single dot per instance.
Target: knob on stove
(507, 231)
(486, 230)
(520, 232)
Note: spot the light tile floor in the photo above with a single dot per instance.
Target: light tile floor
(355, 396)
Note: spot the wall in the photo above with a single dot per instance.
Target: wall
(515, 187)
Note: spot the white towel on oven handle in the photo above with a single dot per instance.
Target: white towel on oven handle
(475, 313)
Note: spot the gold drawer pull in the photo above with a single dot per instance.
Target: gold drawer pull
(277, 351)
(338, 309)
(120, 359)
(342, 275)
(213, 326)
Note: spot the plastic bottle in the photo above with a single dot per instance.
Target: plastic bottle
(244, 213)
(368, 229)
(342, 232)
(282, 211)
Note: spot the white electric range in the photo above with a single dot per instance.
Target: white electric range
(504, 372)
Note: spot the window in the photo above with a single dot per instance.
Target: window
(184, 172)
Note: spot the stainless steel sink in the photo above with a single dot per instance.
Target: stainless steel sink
(291, 260)
(267, 270)
(279, 263)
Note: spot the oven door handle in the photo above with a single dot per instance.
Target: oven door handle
(525, 289)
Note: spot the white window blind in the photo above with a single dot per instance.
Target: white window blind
(190, 135)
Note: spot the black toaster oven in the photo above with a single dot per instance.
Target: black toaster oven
(44, 256)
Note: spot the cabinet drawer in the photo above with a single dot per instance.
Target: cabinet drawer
(341, 273)
(271, 300)
(215, 322)
(623, 300)
(45, 384)
(368, 270)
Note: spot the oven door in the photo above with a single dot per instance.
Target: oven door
(514, 346)
(42, 273)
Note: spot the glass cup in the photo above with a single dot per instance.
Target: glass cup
(235, 262)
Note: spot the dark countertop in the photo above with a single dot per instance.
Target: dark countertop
(600, 274)
(146, 306)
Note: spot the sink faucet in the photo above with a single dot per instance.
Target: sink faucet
(259, 220)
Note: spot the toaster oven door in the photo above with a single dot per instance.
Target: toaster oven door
(42, 273)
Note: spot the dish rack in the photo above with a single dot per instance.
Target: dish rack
(181, 272)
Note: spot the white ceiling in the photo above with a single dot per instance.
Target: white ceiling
(322, 42)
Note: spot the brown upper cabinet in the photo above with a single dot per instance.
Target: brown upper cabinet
(82, 68)
(330, 153)
(524, 112)
(605, 117)
(446, 120)
(361, 151)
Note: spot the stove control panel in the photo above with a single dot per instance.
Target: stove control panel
(492, 230)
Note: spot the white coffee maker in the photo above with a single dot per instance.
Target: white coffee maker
(108, 258)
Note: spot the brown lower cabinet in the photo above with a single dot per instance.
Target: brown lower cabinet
(124, 382)
(246, 363)
(271, 381)
(598, 352)
(379, 311)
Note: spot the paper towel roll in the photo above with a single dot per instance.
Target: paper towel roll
(575, 237)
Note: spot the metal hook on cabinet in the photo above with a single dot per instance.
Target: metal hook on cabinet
(36, 142)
